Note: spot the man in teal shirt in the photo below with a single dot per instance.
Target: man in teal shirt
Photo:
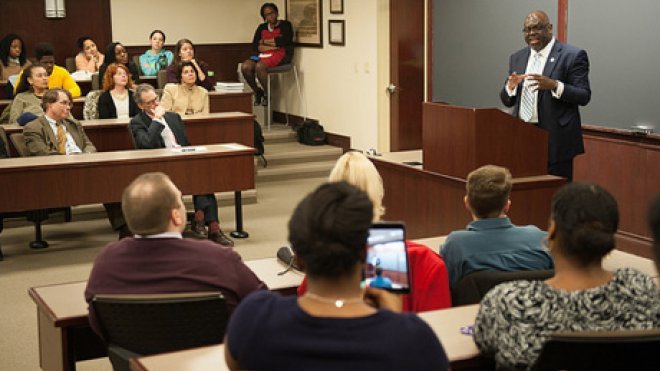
(491, 241)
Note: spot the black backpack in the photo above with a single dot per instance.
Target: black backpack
(259, 142)
(311, 133)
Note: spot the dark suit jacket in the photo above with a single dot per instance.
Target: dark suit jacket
(148, 136)
(41, 140)
(560, 117)
(107, 109)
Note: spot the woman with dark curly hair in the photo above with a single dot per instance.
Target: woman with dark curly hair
(515, 318)
(116, 53)
(12, 56)
(117, 101)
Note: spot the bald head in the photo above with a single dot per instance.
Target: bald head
(152, 204)
(537, 30)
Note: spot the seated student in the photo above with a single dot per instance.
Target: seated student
(155, 128)
(58, 77)
(491, 241)
(12, 56)
(515, 318)
(158, 260)
(185, 51)
(88, 59)
(273, 45)
(57, 133)
(429, 284)
(116, 53)
(654, 226)
(117, 100)
(30, 91)
(185, 98)
(156, 58)
(335, 325)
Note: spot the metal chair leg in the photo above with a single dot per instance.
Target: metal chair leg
(268, 113)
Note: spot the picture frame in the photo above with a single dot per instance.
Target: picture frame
(306, 17)
(336, 6)
(337, 32)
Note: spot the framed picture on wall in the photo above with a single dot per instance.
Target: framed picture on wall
(337, 6)
(337, 32)
(306, 16)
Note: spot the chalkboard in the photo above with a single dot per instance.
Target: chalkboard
(621, 39)
(472, 42)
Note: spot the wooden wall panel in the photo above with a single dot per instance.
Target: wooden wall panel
(628, 166)
(83, 17)
(223, 59)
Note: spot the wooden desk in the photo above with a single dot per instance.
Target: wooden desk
(113, 135)
(37, 182)
(460, 349)
(64, 333)
(196, 359)
(446, 323)
(229, 102)
(431, 204)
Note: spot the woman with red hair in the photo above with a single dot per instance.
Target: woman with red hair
(117, 101)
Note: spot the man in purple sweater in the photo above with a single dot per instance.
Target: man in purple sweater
(158, 260)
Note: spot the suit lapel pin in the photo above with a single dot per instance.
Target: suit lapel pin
(552, 60)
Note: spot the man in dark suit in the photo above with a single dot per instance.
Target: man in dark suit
(155, 128)
(546, 84)
(57, 133)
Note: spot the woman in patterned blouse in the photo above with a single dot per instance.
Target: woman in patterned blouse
(515, 318)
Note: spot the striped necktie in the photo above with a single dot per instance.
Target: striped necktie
(528, 96)
(61, 139)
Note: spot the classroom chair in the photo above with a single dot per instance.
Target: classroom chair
(473, 287)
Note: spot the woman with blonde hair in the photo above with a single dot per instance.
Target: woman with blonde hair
(356, 169)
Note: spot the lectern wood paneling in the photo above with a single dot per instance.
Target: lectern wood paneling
(457, 140)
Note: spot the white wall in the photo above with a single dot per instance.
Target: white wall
(341, 83)
(344, 86)
(202, 21)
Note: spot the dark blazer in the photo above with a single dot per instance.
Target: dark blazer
(106, 106)
(148, 135)
(559, 117)
(41, 140)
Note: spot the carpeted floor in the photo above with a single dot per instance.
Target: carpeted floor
(73, 247)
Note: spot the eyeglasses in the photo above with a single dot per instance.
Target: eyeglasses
(65, 103)
(151, 102)
(538, 28)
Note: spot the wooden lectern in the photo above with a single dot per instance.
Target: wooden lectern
(457, 140)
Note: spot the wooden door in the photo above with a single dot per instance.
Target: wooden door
(406, 73)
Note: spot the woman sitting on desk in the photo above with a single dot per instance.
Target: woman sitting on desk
(116, 53)
(31, 88)
(515, 318)
(336, 325)
(117, 100)
(183, 52)
(185, 98)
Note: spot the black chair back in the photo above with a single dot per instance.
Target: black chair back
(601, 350)
(473, 287)
(150, 324)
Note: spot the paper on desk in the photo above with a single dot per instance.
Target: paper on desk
(190, 149)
